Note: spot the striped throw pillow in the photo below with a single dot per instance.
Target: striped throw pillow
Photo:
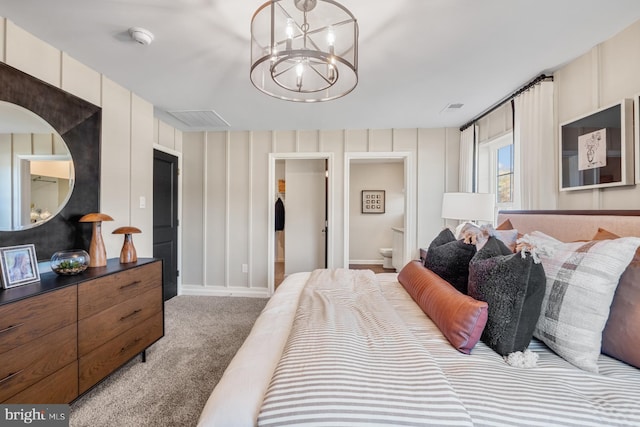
(581, 280)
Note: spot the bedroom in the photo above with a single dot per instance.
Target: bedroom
(214, 210)
(221, 207)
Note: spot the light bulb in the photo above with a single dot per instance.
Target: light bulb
(289, 31)
(290, 28)
(299, 71)
(331, 40)
(332, 71)
(331, 37)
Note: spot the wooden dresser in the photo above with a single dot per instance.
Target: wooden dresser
(63, 335)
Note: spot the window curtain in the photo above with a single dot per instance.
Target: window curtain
(534, 147)
(466, 165)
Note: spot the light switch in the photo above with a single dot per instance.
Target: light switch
(143, 202)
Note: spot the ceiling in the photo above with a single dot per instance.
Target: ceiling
(415, 56)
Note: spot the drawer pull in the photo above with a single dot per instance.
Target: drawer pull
(131, 344)
(135, 282)
(9, 328)
(8, 377)
(134, 312)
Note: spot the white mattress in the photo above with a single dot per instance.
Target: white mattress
(236, 399)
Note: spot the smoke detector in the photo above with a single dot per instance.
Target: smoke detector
(141, 35)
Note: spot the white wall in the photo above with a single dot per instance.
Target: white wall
(235, 194)
(606, 74)
(370, 232)
(128, 132)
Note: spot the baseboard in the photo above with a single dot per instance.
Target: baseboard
(221, 291)
(366, 261)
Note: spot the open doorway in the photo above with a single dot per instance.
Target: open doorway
(368, 235)
(376, 213)
(300, 213)
(300, 216)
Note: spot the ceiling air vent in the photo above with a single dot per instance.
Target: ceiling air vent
(452, 108)
(205, 119)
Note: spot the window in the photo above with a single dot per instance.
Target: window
(497, 171)
(504, 188)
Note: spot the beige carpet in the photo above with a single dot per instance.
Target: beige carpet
(201, 336)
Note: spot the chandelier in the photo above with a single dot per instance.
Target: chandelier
(304, 50)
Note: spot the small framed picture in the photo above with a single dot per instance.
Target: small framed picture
(19, 265)
(373, 201)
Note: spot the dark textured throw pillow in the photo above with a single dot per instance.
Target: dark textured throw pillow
(445, 236)
(449, 259)
(514, 289)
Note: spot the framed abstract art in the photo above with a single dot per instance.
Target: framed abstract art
(596, 150)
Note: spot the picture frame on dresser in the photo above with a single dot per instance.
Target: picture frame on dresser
(596, 149)
(19, 265)
(373, 201)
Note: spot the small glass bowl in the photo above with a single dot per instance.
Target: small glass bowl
(70, 262)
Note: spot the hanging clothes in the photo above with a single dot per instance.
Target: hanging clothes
(279, 214)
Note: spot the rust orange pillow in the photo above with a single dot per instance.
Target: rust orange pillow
(460, 318)
(505, 225)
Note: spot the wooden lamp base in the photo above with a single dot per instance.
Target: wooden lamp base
(128, 252)
(97, 251)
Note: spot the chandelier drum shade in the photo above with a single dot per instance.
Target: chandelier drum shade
(304, 50)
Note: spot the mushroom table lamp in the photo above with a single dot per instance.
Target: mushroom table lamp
(128, 252)
(97, 251)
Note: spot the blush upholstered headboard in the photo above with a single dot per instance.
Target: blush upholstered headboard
(571, 225)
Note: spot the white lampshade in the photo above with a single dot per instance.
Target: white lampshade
(468, 206)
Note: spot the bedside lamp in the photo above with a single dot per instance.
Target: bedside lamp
(469, 206)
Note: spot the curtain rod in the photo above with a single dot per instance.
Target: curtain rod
(540, 78)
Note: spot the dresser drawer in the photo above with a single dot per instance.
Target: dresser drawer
(112, 354)
(59, 387)
(99, 294)
(24, 366)
(32, 318)
(99, 328)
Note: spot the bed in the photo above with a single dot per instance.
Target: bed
(377, 358)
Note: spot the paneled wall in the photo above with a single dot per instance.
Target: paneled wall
(129, 132)
(606, 74)
(226, 196)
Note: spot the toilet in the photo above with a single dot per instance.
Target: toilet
(387, 261)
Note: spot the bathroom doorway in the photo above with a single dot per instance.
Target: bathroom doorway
(370, 238)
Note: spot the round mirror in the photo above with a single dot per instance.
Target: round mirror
(36, 169)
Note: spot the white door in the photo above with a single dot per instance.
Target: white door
(304, 215)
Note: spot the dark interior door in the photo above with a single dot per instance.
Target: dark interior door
(165, 218)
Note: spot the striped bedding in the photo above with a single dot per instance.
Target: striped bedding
(555, 393)
(362, 353)
(351, 361)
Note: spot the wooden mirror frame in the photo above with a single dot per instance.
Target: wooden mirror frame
(78, 123)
